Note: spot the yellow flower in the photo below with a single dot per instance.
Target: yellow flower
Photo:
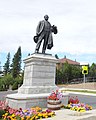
(82, 110)
(50, 114)
(22, 118)
(46, 116)
(25, 110)
(68, 106)
(32, 118)
(27, 117)
(36, 108)
(72, 108)
(36, 117)
(90, 107)
(13, 115)
(78, 109)
(6, 114)
(40, 114)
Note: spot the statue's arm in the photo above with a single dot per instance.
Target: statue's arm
(38, 28)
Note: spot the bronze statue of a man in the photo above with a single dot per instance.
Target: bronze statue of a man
(44, 32)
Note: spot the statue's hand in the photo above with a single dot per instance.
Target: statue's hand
(54, 29)
(37, 34)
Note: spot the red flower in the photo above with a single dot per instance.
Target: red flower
(55, 95)
(73, 100)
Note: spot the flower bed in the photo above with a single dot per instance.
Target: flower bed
(28, 114)
(74, 104)
(7, 113)
(80, 107)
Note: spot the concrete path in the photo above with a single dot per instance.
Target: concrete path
(4, 93)
(66, 114)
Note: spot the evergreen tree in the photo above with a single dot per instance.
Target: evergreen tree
(16, 63)
(7, 65)
(92, 70)
(56, 56)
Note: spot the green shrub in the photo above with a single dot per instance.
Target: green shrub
(1, 113)
(15, 86)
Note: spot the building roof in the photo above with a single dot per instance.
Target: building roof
(63, 60)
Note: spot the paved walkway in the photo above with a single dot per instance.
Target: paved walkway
(66, 114)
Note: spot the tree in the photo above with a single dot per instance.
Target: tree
(76, 72)
(6, 81)
(67, 72)
(64, 74)
(7, 65)
(58, 76)
(16, 63)
(92, 70)
(56, 56)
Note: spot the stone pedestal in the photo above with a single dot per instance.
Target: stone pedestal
(39, 81)
(39, 74)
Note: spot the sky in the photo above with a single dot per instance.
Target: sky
(75, 20)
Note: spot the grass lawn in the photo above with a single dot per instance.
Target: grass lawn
(83, 91)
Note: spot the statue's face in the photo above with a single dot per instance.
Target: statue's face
(46, 17)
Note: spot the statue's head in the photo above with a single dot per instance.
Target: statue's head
(46, 17)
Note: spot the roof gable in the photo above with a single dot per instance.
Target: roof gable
(63, 60)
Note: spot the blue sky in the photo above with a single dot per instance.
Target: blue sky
(75, 20)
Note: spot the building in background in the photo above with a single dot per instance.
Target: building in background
(69, 61)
